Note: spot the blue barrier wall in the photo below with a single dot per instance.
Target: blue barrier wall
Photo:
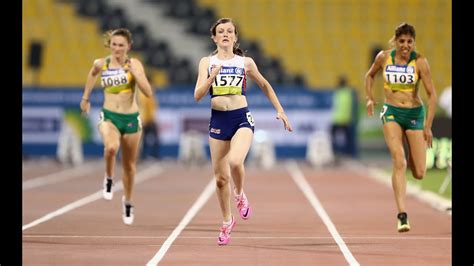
(45, 111)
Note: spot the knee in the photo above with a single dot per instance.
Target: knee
(400, 163)
(235, 163)
(110, 150)
(221, 180)
(129, 168)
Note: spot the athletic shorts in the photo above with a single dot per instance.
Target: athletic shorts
(224, 124)
(125, 123)
(407, 118)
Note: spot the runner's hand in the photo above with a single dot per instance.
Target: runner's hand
(215, 70)
(85, 107)
(370, 107)
(286, 122)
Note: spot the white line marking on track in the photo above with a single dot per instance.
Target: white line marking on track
(146, 174)
(300, 180)
(245, 237)
(383, 177)
(38, 162)
(64, 175)
(203, 198)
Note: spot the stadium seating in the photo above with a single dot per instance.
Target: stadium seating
(324, 39)
(71, 42)
(293, 42)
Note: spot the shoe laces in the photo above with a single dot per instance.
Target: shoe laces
(225, 228)
(242, 202)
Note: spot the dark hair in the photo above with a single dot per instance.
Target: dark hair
(403, 28)
(117, 32)
(236, 50)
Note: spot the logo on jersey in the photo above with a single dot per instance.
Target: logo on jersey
(239, 71)
(398, 69)
(231, 70)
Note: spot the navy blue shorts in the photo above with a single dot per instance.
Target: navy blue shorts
(224, 124)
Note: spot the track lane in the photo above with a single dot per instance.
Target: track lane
(364, 208)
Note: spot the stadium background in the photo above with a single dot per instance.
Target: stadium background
(301, 47)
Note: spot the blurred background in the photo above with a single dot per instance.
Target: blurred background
(315, 54)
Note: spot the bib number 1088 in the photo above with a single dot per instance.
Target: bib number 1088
(114, 81)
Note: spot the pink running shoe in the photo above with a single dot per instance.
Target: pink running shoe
(224, 235)
(243, 206)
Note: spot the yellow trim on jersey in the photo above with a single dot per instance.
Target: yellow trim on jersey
(118, 89)
(124, 88)
(216, 90)
(400, 86)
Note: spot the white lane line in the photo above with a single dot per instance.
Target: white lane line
(377, 174)
(144, 175)
(203, 198)
(243, 237)
(64, 175)
(304, 186)
(41, 162)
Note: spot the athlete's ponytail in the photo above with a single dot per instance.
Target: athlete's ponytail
(237, 50)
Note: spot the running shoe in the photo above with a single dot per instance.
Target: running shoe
(403, 224)
(243, 206)
(224, 235)
(127, 212)
(107, 189)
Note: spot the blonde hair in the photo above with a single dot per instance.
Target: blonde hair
(117, 32)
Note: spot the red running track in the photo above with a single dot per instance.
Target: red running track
(302, 216)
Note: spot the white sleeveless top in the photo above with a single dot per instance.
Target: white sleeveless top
(231, 79)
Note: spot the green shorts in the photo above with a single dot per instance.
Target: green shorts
(125, 123)
(407, 118)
